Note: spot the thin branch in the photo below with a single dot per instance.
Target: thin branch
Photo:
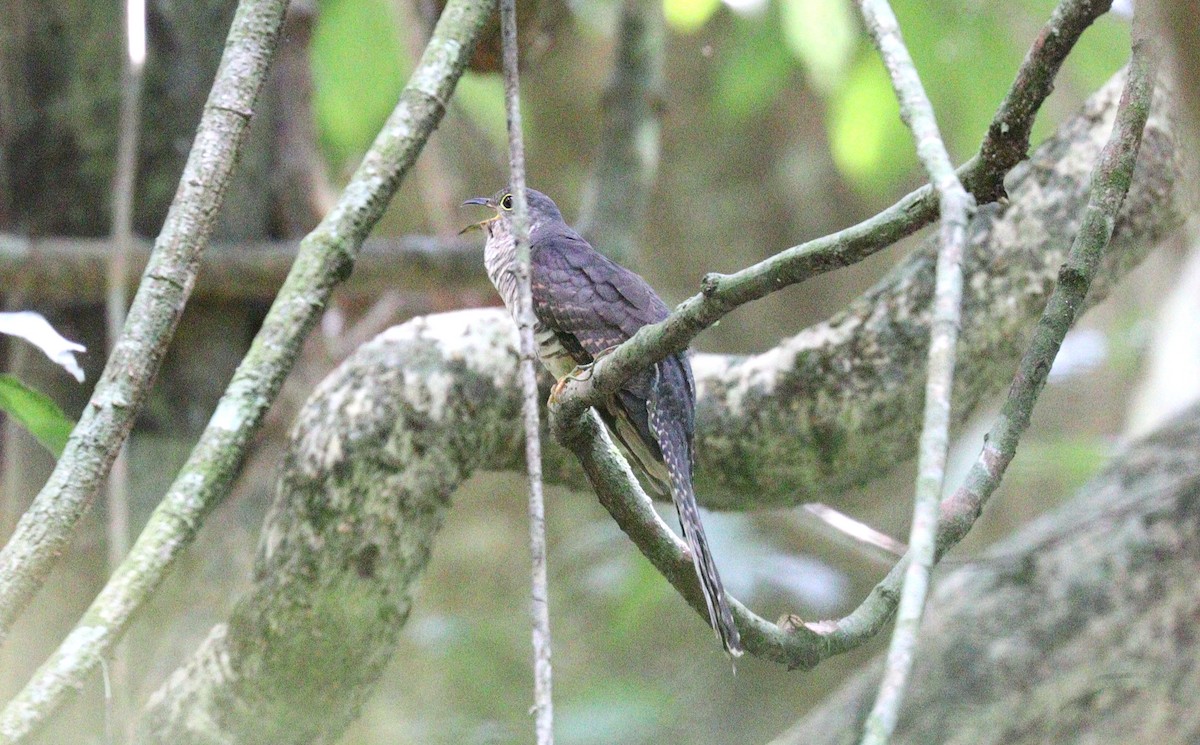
(1110, 183)
(116, 300)
(73, 269)
(326, 256)
(45, 528)
(984, 177)
(543, 700)
(955, 205)
(116, 296)
(795, 644)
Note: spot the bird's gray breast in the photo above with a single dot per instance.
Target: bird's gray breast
(500, 259)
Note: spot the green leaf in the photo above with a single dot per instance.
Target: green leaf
(686, 16)
(823, 35)
(753, 69)
(869, 142)
(37, 412)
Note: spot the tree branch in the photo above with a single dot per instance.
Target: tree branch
(73, 269)
(327, 255)
(722, 293)
(543, 701)
(45, 528)
(954, 205)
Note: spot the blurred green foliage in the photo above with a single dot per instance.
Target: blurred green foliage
(966, 53)
(358, 67)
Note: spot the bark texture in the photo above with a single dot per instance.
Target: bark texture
(385, 440)
(1079, 629)
(839, 404)
(375, 455)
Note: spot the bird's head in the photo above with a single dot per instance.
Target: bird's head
(542, 210)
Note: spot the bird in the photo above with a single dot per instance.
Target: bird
(585, 304)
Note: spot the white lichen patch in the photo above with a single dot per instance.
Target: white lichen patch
(79, 643)
(483, 339)
(761, 372)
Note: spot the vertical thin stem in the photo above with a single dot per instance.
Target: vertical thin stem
(116, 300)
(542, 699)
(117, 295)
(955, 205)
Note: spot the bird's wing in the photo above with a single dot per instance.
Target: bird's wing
(590, 302)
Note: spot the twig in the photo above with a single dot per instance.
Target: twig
(721, 293)
(795, 643)
(1110, 183)
(326, 256)
(614, 200)
(45, 528)
(543, 700)
(60, 269)
(116, 299)
(954, 204)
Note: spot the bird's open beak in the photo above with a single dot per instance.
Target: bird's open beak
(482, 202)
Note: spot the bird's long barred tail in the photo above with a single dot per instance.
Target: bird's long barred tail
(674, 443)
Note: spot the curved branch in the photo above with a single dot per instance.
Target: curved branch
(375, 455)
(45, 528)
(413, 413)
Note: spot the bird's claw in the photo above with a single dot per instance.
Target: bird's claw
(581, 372)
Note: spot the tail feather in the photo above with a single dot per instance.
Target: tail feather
(674, 440)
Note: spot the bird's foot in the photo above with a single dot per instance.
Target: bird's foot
(581, 372)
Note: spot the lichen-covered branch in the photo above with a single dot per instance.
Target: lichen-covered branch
(45, 528)
(326, 256)
(375, 455)
(954, 205)
(1078, 629)
(722, 293)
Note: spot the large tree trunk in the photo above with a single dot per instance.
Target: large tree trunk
(1081, 628)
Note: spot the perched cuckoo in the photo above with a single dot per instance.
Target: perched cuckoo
(585, 304)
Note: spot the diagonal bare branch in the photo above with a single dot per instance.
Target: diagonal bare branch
(326, 256)
(954, 204)
(44, 530)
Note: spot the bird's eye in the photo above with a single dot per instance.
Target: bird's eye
(506, 201)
